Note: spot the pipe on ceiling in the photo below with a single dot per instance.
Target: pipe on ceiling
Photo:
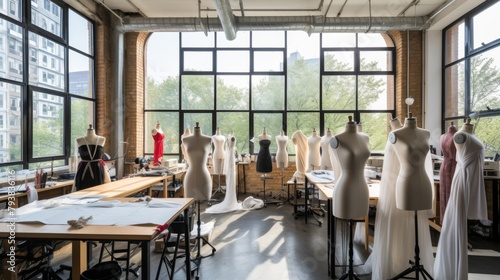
(227, 18)
(312, 24)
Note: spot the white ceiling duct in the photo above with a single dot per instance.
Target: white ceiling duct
(226, 18)
(310, 24)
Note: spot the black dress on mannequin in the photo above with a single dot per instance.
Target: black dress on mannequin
(264, 161)
(91, 169)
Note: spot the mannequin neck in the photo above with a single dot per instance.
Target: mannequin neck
(351, 127)
(91, 133)
(197, 131)
(328, 133)
(396, 124)
(469, 128)
(282, 133)
(411, 122)
(217, 132)
(452, 129)
(314, 133)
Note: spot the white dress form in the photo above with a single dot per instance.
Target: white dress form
(230, 202)
(326, 163)
(314, 151)
(197, 181)
(282, 154)
(301, 151)
(350, 194)
(187, 132)
(467, 201)
(413, 186)
(218, 152)
(91, 138)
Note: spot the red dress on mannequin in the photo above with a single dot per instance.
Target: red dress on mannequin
(158, 148)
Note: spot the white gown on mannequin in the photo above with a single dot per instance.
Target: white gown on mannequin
(230, 202)
(467, 201)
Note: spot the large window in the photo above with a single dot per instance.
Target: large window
(273, 80)
(46, 87)
(471, 73)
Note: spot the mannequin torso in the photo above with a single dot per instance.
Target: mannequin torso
(301, 151)
(413, 186)
(158, 137)
(92, 170)
(351, 194)
(218, 141)
(91, 138)
(197, 181)
(282, 154)
(326, 163)
(314, 151)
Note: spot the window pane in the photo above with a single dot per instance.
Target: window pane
(376, 125)
(233, 61)
(487, 131)
(301, 121)
(268, 39)
(242, 40)
(197, 39)
(455, 42)
(11, 110)
(273, 124)
(80, 32)
(268, 61)
(338, 40)
(198, 61)
(339, 61)
(238, 124)
(169, 122)
(339, 92)
(162, 71)
(46, 164)
(13, 9)
(233, 92)
(82, 114)
(48, 125)
(268, 92)
(454, 91)
(375, 92)
(48, 16)
(370, 40)
(485, 80)
(80, 74)
(336, 122)
(198, 92)
(204, 120)
(303, 71)
(49, 69)
(484, 26)
(375, 60)
(11, 46)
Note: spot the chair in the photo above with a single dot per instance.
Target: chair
(121, 254)
(109, 270)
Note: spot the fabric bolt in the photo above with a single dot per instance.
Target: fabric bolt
(467, 201)
(92, 170)
(447, 168)
(264, 160)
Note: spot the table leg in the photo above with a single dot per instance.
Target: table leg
(187, 244)
(165, 187)
(79, 260)
(145, 260)
(495, 210)
(306, 207)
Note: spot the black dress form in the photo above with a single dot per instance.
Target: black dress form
(91, 169)
(264, 160)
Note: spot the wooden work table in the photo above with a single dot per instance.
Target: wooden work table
(21, 198)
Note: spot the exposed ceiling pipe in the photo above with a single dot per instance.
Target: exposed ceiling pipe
(137, 8)
(110, 10)
(370, 13)
(326, 12)
(241, 8)
(203, 27)
(341, 8)
(413, 3)
(313, 24)
(227, 18)
(318, 9)
(436, 12)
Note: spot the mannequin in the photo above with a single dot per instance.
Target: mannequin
(187, 132)
(393, 243)
(326, 163)
(92, 170)
(197, 181)
(301, 151)
(218, 141)
(230, 202)
(314, 151)
(467, 201)
(158, 137)
(350, 195)
(447, 168)
(282, 154)
(264, 161)
(413, 186)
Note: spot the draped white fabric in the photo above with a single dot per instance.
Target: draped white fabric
(301, 150)
(467, 201)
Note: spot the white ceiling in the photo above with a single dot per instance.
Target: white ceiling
(348, 8)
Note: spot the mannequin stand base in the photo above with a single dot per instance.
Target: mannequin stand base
(266, 201)
(199, 240)
(416, 266)
(350, 273)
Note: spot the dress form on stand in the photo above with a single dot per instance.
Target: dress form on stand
(350, 195)
(218, 152)
(314, 156)
(158, 136)
(265, 163)
(197, 181)
(326, 163)
(447, 169)
(282, 161)
(413, 185)
(301, 151)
